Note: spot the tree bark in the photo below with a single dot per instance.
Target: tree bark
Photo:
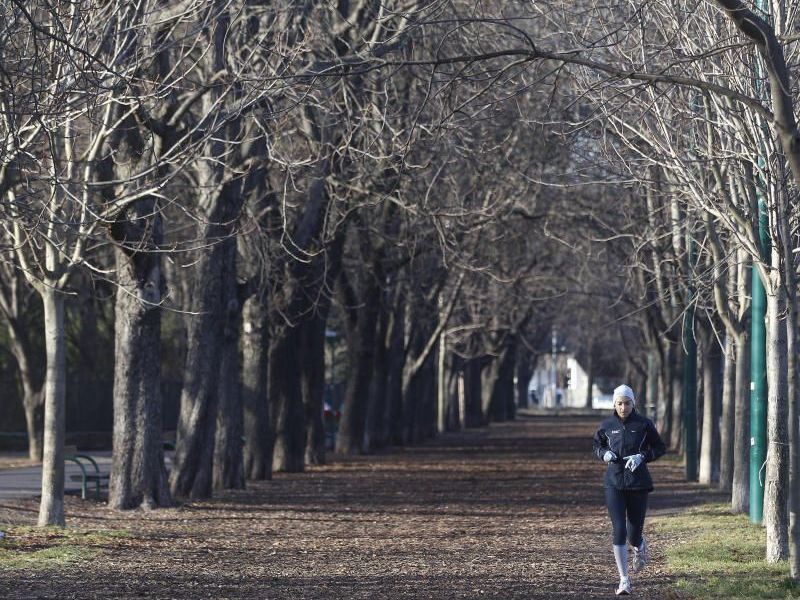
(33, 405)
(587, 403)
(15, 306)
(32, 394)
(394, 377)
(51, 508)
(324, 272)
(257, 431)
(709, 448)
(489, 374)
(665, 379)
(441, 384)
(677, 418)
(524, 374)
(286, 403)
(412, 401)
(425, 384)
(361, 340)
(776, 517)
(138, 473)
(192, 475)
(740, 487)
(727, 424)
(501, 384)
(228, 469)
(453, 376)
(794, 434)
(377, 413)
(313, 385)
(473, 412)
(301, 286)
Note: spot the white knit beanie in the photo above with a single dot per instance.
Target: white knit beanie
(626, 392)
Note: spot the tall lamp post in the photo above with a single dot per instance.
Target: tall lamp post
(758, 340)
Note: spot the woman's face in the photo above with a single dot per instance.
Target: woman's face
(623, 406)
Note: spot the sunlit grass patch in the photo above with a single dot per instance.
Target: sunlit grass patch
(719, 555)
(43, 547)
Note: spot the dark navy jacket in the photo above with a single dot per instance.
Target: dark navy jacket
(635, 435)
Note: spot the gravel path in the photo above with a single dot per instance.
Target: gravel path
(514, 511)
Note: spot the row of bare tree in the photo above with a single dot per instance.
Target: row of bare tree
(204, 158)
(440, 182)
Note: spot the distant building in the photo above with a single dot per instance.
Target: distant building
(564, 383)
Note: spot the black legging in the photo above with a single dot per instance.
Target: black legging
(627, 509)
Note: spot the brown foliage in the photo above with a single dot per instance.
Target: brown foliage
(515, 511)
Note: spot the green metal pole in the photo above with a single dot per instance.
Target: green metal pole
(690, 374)
(758, 342)
(758, 378)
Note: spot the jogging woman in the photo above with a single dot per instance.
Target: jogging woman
(627, 441)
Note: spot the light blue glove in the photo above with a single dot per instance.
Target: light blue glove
(609, 456)
(633, 461)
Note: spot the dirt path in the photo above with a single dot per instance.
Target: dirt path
(515, 511)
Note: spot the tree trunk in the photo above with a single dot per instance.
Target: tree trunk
(411, 403)
(727, 424)
(361, 349)
(524, 374)
(740, 488)
(297, 358)
(33, 404)
(32, 393)
(138, 474)
(192, 475)
(313, 387)
(228, 469)
(286, 403)
(320, 280)
(489, 374)
(794, 434)
(709, 448)
(502, 384)
(587, 403)
(425, 384)
(377, 412)
(776, 517)
(665, 393)
(652, 383)
(473, 412)
(510, 400)
(51, 508)
(677, 417)
(394, 378)
(453, 398)
(258, 441)
(441, 384)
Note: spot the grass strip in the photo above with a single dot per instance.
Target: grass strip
(45, 547)
(715, 554)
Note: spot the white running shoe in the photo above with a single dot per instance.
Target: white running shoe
(624, 588)
(640, 557)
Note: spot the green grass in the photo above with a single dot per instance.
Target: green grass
(720, 555)
(45, 547)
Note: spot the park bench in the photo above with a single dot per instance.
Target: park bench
(90, 471)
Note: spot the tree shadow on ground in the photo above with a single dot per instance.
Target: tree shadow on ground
(515, 511)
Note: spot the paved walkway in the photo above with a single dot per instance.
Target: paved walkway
(23, 482)
(512, 512)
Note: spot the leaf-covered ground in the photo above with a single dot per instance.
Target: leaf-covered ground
(514, 511)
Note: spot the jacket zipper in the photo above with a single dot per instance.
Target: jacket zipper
(622, 451)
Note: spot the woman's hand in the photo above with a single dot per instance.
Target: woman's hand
(609, 456)
(633, 461)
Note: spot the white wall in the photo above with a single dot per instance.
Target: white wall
(574, 395)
